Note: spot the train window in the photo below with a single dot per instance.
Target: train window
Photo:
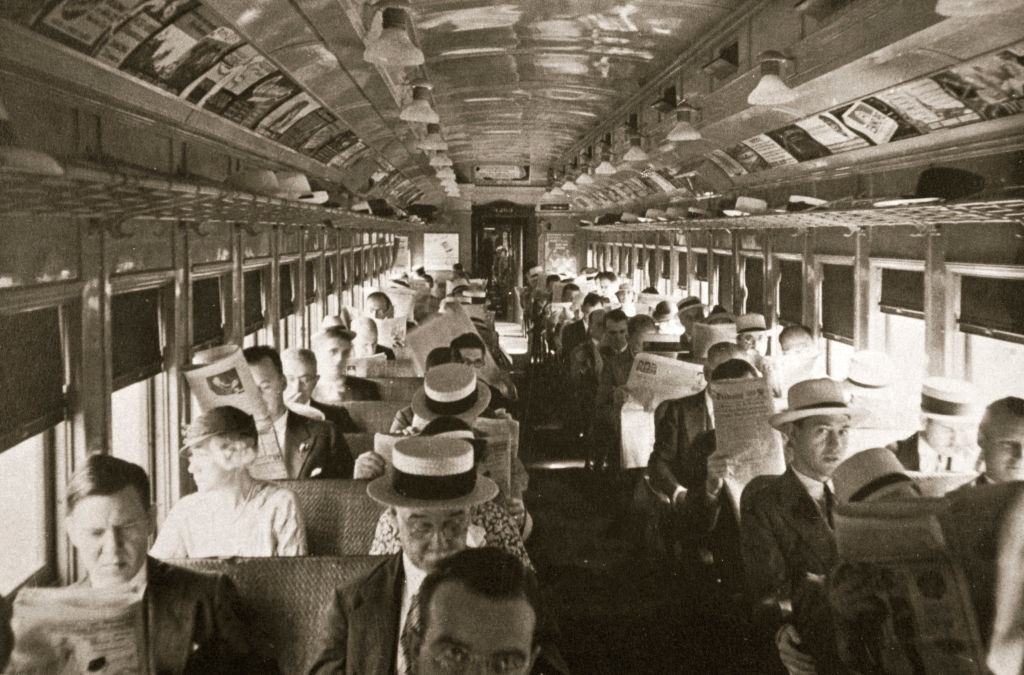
(288, 325)
(132, 433)
(753, 279)
(207, 313)
(904, 335)
(23, 499)
(252, 310)
(32, 379)
(55, 251)
(836, 301)
(791, 291)
(994, 305)
(135, 336)
(993, 365)
(333, 304)
(902, 292)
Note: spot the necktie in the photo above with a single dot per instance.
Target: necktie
(410, 634)
(829, 503)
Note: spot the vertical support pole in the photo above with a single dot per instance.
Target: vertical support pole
(323, 293)
(94, 385)
(712, 268)
(274, 296)
(769, 291)
(811, 304)
(299, 301)
(862, 288)
(691, 263)
(739, 283)
(673, 262)
(236, 317)
(938, 321)
(179, 354)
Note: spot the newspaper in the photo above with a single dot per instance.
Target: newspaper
(438, 331)
(828, 130)
(367, 366)
(744, 438)
(221, 377)
(636, 434)
(654, 379)
(79, 629)
(391, 332)
(898, 553)
(404, 299)
(788, 369)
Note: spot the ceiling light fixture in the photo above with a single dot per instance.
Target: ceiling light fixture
(419, 110)
(569, 186)
(393, 47)
(771, 90)
(684, 131)
(974, 7)
(636, 152)
(584, 178)
(433, 140)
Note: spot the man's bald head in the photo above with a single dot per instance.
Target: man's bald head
(796, 339)
(719, 353)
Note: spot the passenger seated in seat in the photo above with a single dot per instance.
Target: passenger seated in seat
(470, 350)
(405, 421)
(333, 348)
(476, 606)
(365, 342)
(232, 514)
(194, 621)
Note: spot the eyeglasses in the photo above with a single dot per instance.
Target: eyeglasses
(456, 659)
(450, 529)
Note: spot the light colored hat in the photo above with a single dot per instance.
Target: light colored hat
(451, 389)
(432, 473)
(260, 181)
(811, 398)
(865, 473)
(870, 370)
(218, 421)
(751, 205)
(945, 398)
(751, 323)
(294, 185)
(628, 217)
(706, 336)
(332, 322)
(675, 212)
(475, 292)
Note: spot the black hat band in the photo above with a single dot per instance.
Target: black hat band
(433, 488)
(936, 406)
(452, 407)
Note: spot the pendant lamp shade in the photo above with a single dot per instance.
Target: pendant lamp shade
(684, 131)
(393, 47)
(635, 152)
(433, 141)
(771, 89)
(569, 186)
(440, 160)
(419, 110)
(584, 179)
(605, 168)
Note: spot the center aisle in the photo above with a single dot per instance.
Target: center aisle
(620, 609)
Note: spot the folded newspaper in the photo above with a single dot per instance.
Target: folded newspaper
(654, 379)
(221, 377)
(895, 555)
(438, 331)
(391, 332)
(402, 299)
(744, 438)
(79, 629)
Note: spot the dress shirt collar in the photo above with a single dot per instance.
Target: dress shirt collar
(414, 576)
(814, 487)
(136, 584)
(710, 405)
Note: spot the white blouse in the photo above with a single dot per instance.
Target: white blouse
(267, 524)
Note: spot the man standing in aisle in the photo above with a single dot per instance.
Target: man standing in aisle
(786, 532)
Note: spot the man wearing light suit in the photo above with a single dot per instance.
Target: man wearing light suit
(194, 624)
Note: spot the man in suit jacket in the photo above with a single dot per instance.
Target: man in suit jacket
(333, 348)
(299, 366)
(1001, 439)
(309, 445)
(786, 523)
(949, 419)
(194, 624)
(575, 332)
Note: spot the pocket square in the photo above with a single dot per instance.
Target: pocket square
(316, 472)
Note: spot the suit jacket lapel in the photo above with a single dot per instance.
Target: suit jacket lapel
(376, 618)
(169, 620)
(695, 416)
(807, 522)
(295, 436)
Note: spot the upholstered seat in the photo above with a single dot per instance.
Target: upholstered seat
(340, 518)
(374, 417)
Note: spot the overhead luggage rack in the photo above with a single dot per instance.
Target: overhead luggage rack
(1008, 211)
(89, 191)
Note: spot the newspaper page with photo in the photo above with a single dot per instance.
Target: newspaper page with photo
(220, 377)
(439, 331)
(897, 552)
(744, 438)
(655, 378)
(391, 332)
(403, 299)
(79, 629)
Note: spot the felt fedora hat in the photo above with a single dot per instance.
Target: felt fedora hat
(752, 323)
(706, 336)
(451, 389)
(432, 473)
(870, 370)
(950, 400)
(689, 303)
(866, 473)
(217, 421)
(812, 398)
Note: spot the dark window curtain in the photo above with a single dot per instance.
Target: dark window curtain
(207, 317)
(992, 305)
(357, 265)
(253, 309)
(724, 263)
(702, 266)
(753, 277)
(332, 274)
(902, 292)
(791, 291)
(32, 377)
(682, 268)
(346, 271)
(666, 264)
(837, 301)
(653, 258)
(287, 292)
(311, 280)
(135, 337)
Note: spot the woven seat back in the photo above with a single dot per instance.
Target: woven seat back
(288, 598)
(340, 518)
(374, 417)
(398, 388)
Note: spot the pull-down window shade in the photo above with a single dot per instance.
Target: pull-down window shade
(988, 305)
(207, 315)
(837, 301)
(32, 379)
(902, 292)
(753, 277)
(791, 291)
(135, 337)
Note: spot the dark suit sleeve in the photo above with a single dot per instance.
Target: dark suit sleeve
(333, 639)
(763, 560)
(701, 510)
(228, 641)
(666, 448)
(335, 452)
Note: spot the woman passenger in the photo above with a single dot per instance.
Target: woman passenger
(232, 514)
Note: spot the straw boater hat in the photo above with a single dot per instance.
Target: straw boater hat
(949, 400)
(688, 304)
(451, 389)
(432, 473)
(476, 294)
(866, 473)
(811, 398)
(707, 335)
(752, 323)
(870, 370)
(260, 181)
